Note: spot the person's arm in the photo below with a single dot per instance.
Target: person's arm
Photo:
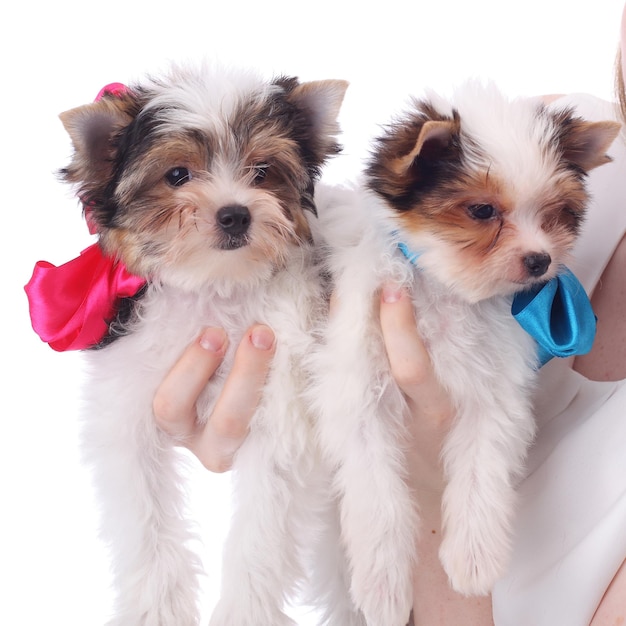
(434, 600)
(607, 361)
(174, 404)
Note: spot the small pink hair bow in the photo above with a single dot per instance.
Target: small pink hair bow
(72, 305)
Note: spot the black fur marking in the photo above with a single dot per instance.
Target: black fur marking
(566, 123)
(298, 124)
(130, 143)
(120, 324)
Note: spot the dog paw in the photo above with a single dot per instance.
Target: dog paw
(384, 595)
(473, 567)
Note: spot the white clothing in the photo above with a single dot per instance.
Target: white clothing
(571, 529)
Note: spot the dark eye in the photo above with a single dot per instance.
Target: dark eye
(482, 211)
(178, 176)
(260, 172)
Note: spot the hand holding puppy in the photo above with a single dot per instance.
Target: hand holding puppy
(215, 442)
(412, 370)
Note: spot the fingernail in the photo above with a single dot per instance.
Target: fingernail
(213, 339)
(391, 294)
(262, 337)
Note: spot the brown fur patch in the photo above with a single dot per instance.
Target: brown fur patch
(446, 212)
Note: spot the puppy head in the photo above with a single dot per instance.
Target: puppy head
(204, 174)
(490, 192)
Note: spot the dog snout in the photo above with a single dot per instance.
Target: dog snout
(234, 219)
(537, 263)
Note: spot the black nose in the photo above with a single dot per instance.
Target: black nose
(234, 219)
(537, 263)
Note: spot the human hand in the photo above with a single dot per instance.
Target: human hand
(174, 405)
(428, 403)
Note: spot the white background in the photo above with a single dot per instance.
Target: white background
(57, 55)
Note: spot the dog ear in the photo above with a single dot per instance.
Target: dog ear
(322, 99)
(413, 153)
(585, 143)
(93, 129)
(433, 138)
(318, 103)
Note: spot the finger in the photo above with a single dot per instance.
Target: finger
(410, 363)
(428, 403)
(174, 403)
(229, 423)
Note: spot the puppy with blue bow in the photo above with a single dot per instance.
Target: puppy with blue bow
(472, 205)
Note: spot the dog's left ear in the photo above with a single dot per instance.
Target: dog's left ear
(585, 143)
(319, 102)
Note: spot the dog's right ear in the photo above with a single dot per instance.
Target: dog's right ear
(94, 129)
(413, 153)
(434, 137)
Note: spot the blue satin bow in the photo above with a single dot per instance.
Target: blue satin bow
(557, 314)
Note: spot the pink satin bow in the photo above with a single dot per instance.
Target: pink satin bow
(71, 306)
